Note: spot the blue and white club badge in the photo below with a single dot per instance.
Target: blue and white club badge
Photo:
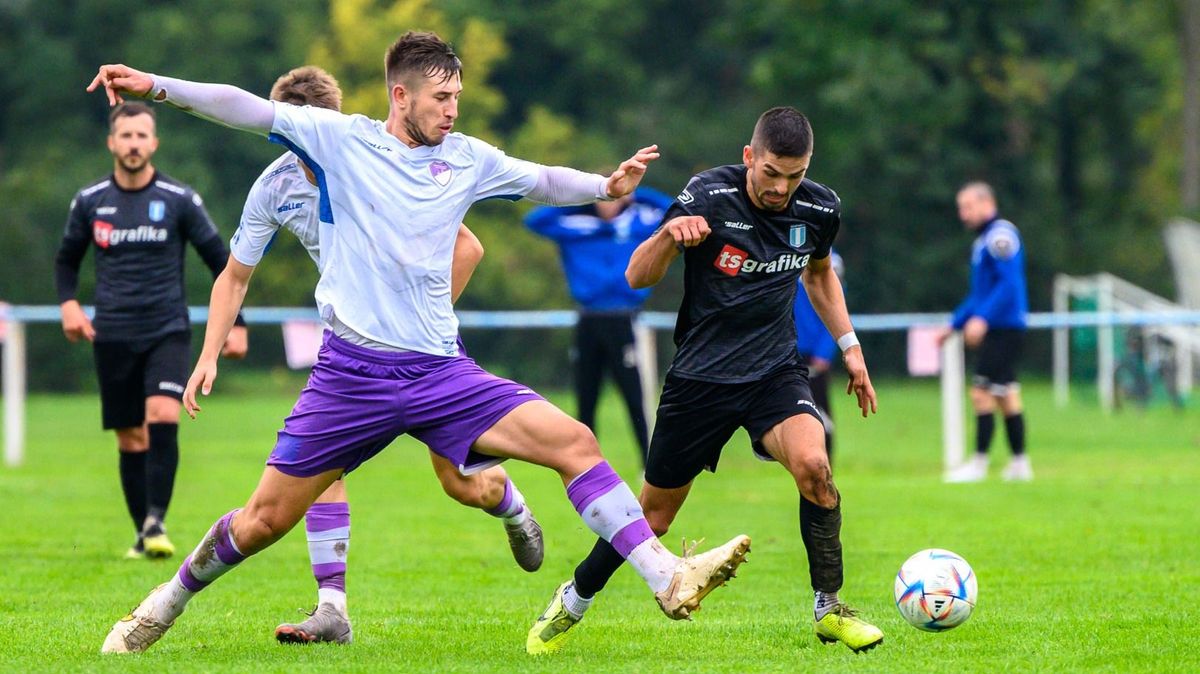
(797, 235)
(158, 211)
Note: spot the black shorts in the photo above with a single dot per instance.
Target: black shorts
(696, 419)
(997, 360)
(130, 372)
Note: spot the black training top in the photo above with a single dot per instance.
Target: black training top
(140, 239)
(735, 322)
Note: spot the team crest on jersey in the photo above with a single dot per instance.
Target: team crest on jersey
(442, 173)
(157, 211)
(797, 235)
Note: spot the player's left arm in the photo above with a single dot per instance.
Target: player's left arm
(198, 227)
(510, 178)
(468, 252)
(825, 292)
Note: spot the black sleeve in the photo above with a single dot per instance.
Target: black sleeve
(71, 251)
(198, 227)
(833, 224)
(692, 200)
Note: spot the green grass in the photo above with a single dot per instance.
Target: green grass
(1094, 566)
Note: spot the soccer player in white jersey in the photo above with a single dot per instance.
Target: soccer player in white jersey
(285, 196)
(392, 195)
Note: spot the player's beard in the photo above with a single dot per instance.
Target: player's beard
(414, 131)
(134, 163)
(761, 195)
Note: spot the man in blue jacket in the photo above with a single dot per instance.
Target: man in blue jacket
(816, 349)
(992, 320)
(595, 242)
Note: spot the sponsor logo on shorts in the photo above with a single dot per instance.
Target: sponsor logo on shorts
(808, 403)
(170, 386)
(525, 392)
(732, 261)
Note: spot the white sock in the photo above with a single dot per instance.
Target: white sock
(824, 603)
(329, 595)
(519, 518)
(653, 563)
(170, 601)
(574, 604)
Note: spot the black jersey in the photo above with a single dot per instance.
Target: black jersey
(140, 238)
(735, 322)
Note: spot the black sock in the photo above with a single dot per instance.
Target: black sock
(1015, 427)
(821, 530)
(594, 571)
(160, 468)
(133, 483)
(985, 426)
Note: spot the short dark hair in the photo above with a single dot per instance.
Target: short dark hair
(783, 131)
(129, 109)
(308, 85)
(418, 53)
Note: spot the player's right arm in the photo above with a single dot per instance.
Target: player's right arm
(75, 242)
(224, 303)
(649, 263)
(684, 226)
(255, 231)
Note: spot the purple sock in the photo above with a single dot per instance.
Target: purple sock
(511, 504)
(216, 554)
(327, 526)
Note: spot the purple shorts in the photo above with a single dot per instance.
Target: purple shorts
(358, 400)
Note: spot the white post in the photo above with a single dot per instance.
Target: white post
(1062, 342)
(953, 385)
(1106, 367)
(647, 358)
(14, 394)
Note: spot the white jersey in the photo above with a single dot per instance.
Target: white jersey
(281, 197)
(389, 216)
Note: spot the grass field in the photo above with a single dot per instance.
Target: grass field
(1095, 566)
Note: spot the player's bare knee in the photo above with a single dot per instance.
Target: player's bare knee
(132, 440)
(581, 447)
(464, 491)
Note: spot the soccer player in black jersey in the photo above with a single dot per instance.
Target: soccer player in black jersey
(746, 232)
(139, 222)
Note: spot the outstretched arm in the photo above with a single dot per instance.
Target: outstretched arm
(228, 293)
(825, 292)
(220, 103)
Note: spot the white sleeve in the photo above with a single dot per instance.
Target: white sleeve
(505, 177)
(562, 186)
(256, 229)
(220, 103)
(314, 134)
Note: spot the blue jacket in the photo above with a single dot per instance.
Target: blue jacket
(998, 292)
(595, 252)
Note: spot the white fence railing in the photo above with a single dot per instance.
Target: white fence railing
(15, 318)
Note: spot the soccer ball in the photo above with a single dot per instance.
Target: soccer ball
(936, 590)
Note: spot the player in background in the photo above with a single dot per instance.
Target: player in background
(817, 350)
(392, 196)
(746, 233)
(285, 196)
(140, 222)
(595, 242)
(993, 319)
